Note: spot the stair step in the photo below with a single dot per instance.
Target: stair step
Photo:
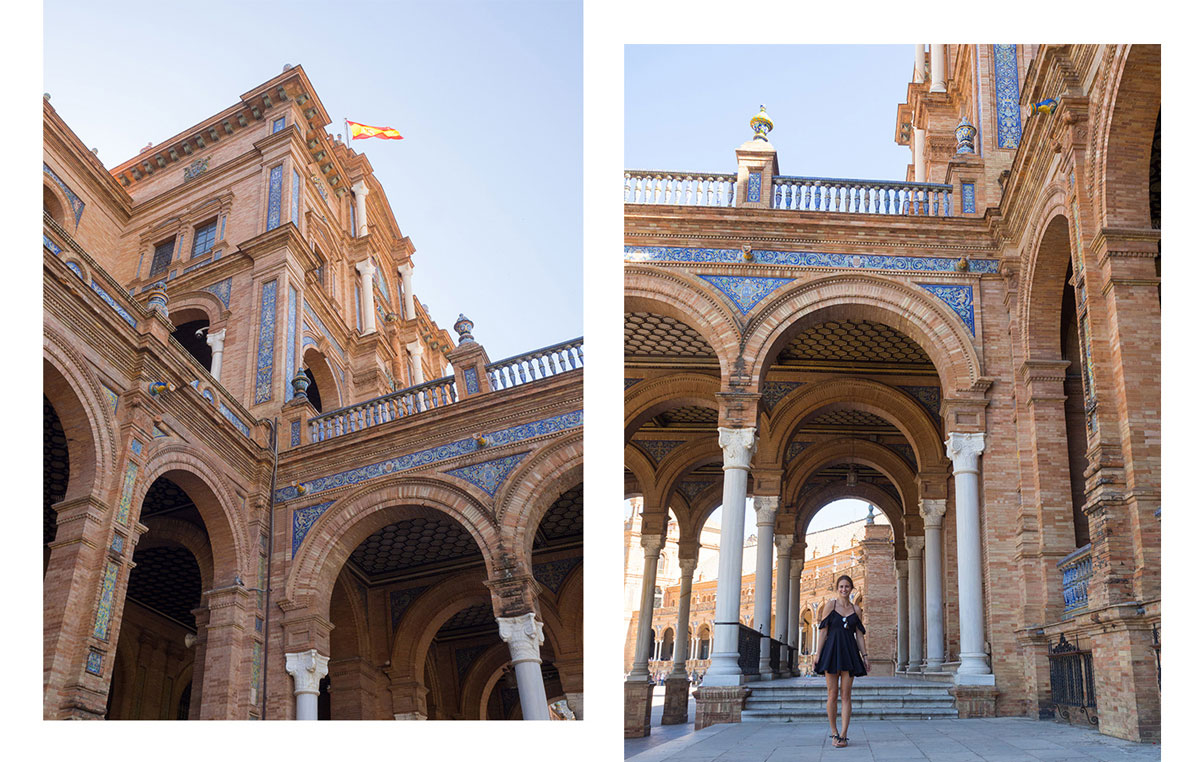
(806, 702)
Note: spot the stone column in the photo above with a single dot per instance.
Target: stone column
(918, 155)
(793, 618)
(902, 626)
(415, 350)
(675, 702)
(933, 511)
(216, 340)
(914, 546)
(783, 576)
(764, 509)
(919, 63)
(406, 275)
(307, 668)
(737, 446)
(524, 637)
(937, 68)
(651, 545)
(964, 450)
(360, 205)
(366, 272)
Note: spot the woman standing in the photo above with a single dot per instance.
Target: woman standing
(842, 653)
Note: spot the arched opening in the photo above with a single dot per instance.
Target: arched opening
(313, 391)
(323, 389)
(1074, 410)
(191, 331)
(52, 206)
(56, 473)
(667, 652)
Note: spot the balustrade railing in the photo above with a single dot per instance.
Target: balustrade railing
(1076, 575)
(827, 194)
(1072, 683)
(680, 188)
(415, 399)
(538, 364)
(748, 649)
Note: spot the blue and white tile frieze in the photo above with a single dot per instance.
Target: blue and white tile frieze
(658, 448)
(238, 423)
(511, 435)
(265, 375)
(489, 475)
(630, 382)
(75, 202)
(51, 245)
(745, 292)
(961, 299)
(754, 187)
(308, 310)
(221, 290)
(290, 362)
(968, 198)
(112, 303)
(930, 398)
(808, 259)
(302, 521)
(274, 197)
(1008, 109)
(472, 380)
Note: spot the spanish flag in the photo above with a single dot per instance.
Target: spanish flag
(360, 131)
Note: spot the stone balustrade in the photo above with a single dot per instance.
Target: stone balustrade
(679, 188)
(825, 194)
(538, 364)
(1076, 571)
(399, 404)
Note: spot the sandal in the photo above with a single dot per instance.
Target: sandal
(839, 742)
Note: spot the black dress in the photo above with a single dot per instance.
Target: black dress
(839, 653)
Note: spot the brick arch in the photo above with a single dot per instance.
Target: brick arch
(421, 621)
(1040, 305)
(224, 524)
(1126, 131)
(640, 469)
(86, 417)
(349, 637)
(813, 502)
(703, 506)
(210, 305)
(909, 309)
(64, 211)
(318, 363)
(887, 402)
(654, 396)
(686, 299)
(356, 516)
(540, 479)
(678, 464)
(481, 677)
(862, 452)
(165, 532)
(569, 603)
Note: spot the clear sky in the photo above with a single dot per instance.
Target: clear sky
(836, 513)
(488, 96)
(688, 107)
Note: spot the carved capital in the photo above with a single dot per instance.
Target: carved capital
(366, 268)
(307, 668)
(687, 566)
(216, 340)
(902, 570)
(783, 543)
(524, 637)
(764, 510)
(914, 546)
(933, 511)
(964, 450)
(651, 545)
(738, 446)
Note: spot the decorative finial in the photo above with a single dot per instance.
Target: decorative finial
(463, 326)
(965, 134)
(287, 66)
(761, 124)
(300, 385)
(870, 515)
(46, 96)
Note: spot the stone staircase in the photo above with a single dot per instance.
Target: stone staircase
(802, 699)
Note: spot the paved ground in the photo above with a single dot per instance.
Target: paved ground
(1004, 739)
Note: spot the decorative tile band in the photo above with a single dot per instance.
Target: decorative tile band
(290, 363)
(265, 377)
(754, 187)
(111, 396)
(691, 489)
(743, 291)
(808, 259)
(118, 544)
(278, 124)
(112, 303)
(131, 470)
(135, 446)
(237, 422)
(472, 379)
(774, 391)
(400, 600)
(961, 299)
(432, 455)
(630, 382)
(968, 198)
(158, 433)
(929, 396)
(658, 449)
(75, 268)
(274, 197)
(51, 245)
(256, 671)
(295, 433)
(108, 588)
(1008, 110)
(302, 521)
(197, 265)
(488, 476)
(794, 449)
(75, 202)
(296, 198)
(552, 573)
(95, 662)
(321, 327)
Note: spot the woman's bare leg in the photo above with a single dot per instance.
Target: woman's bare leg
(831, 685)
(847, 682)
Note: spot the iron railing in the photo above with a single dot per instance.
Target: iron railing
(749, 651)
(1071, 680)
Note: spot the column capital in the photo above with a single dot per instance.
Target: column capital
(964, 450)
(902, 569)
(783, 544)
(216, 340)
(914, 545)
(524, 637)
(414, 348)
(360, 189)
(307, 668)
(366, 268)
(737, 446)
(933, 510)
(764, 510)
(687, 566)
(651, 545)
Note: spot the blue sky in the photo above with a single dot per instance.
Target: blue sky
(488, 96)
(687, 107)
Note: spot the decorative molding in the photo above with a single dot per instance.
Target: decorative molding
(745, 292)
(630, 382)
(76, 203)
(489, 475)
(465, 657)
(400, 600)
(131, 470)
(774, 391)
(112, 303)
(691, 489)
(968, 198)
(274, 197)
(960, 298)
(1008, 110)
(794, 449)
(112, 397)
(551, 574)
(265, 375)
(809, 259)
(108, 588)
(302, 521)
(658, 449)
(930, 397)
(195, 169)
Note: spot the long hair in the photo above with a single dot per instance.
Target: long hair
(843, 577)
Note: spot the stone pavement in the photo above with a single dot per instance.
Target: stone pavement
(1002, 739)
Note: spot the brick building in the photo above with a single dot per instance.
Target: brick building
(974, 350)
(266, 496)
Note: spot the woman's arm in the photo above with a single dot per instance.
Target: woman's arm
(860, 637)
(821, 631)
